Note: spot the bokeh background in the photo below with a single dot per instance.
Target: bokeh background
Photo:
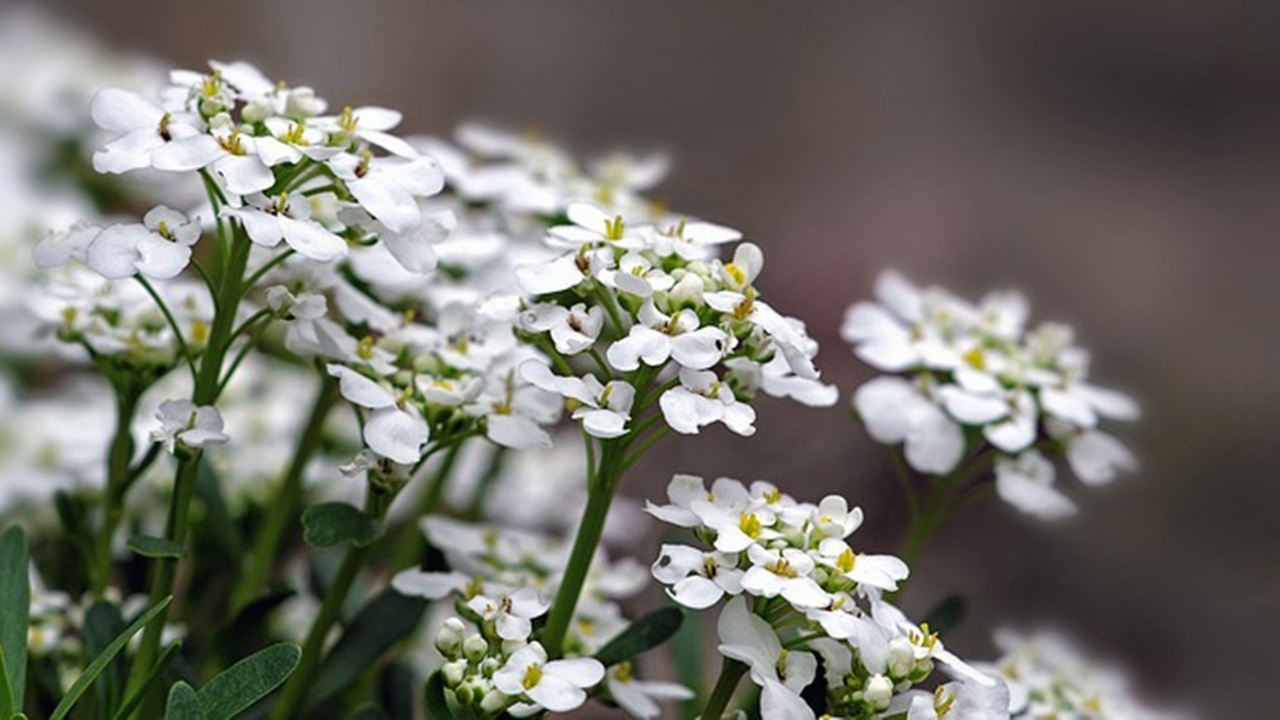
(1117, 161)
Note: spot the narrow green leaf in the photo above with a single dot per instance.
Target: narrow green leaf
(437, 705)
(6, 693)
(641, 636)
(334, 523)
(102, 623)
(381, 623)
(100, 663)
(15, 609)
(154, 547)
(162, 663)
(946, 616)
(183, 704)
(248, 681)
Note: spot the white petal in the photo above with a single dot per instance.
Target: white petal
(359, 389)
(517, 432)
(123, 111)
(700, 349)
(550, 277)
(884, 404)
(114, 252)
(396, 434)
(1097, 457)
(429, 585)
(186, 154)
(312, 240)
(556, 694)
(934, 442)
(262, 228)
(696, 592)
(583, 672)
(161, 258)
(244, 174)
(972, 408)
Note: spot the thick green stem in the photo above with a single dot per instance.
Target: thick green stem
(284, 503)
(599, 497)
(731, 672)
(288, 704)
(118, 476)
(207, 387)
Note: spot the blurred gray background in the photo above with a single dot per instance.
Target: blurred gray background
(1118, 161)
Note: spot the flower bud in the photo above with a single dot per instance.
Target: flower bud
(687, 292)
(902, 658)
(493, 702)
(256, 111)
(454, 672)
(450, 637)
(879, 692)
(475, 648)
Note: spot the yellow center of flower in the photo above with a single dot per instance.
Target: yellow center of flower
(942, 702)
(614, 228)
(847, 560)
(347, 120)
(532, 676)
(976, 358)
(750, 525)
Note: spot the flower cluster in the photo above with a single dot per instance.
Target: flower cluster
(647, 303)
(810, 592)
(966, 374)
(501, 580)
(1049, 677)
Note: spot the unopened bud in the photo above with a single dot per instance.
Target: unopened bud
(475, 648)
(449, 639)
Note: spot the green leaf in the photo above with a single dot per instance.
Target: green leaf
(437, 706)
(369, 711)
(154, 547)
(383, 622)
(162, 663)
(643, 635)
(946, 616)
(104, 658)
(15, 609)
(183, 704)
(334, 523)
(102, 623)
(6, 693)
(248, 681)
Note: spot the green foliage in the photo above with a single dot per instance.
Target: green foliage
(104, 658)
(183, 703)
(238, 687)
(15, 608)
(383, 622)
(154, 547)
(641, 636)
(336, 523)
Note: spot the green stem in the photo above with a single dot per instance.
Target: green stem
(118, 477)
(173, 324)
(731, 672)
(376, 504)
(600, 492)
(207, 388)
(284, 502)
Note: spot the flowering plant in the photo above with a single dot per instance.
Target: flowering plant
(491, 336)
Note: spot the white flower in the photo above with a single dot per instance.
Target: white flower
(557, 686)
(1026, 482)
(369, 123)
(144, 126)
(698, 580)
(388, 188)
(640, 697)
(393, 430)
(572, 330)
(967, 700)
(896, 411)
(682, 491)
(513, 613)
(181, 422)
(227, 151)
(159, 247)
(305, 306)
(879, 571)
(658, 337)
(787, 573)
(288, 218)
(605, 409)
(782, 674)
(1095, 457)
(700, 400)
(593, 226)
